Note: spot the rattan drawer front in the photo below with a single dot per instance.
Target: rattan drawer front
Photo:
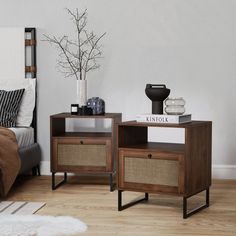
(82, 155)
(151, 171)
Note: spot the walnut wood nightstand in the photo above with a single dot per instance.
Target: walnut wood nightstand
(169, 168)
(83, 152)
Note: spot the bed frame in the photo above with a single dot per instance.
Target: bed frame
(31, 155)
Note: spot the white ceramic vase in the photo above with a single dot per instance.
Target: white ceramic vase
(81, 90)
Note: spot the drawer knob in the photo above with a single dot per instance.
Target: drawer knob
(81, 142)
(149, 156)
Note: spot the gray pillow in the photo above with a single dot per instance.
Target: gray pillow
(9, 106)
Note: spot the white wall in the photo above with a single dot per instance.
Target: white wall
(12, 54)
(187, 44)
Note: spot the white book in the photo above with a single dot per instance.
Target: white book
(164, 119)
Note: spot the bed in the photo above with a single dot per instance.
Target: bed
(21, 130)
(29, 151)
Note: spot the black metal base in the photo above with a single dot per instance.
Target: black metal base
(120, 207)
(112, 185)
(187, 213)
(54, 185)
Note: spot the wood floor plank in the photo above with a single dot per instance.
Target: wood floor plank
(161, 215)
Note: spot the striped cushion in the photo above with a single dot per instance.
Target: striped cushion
(9, 106)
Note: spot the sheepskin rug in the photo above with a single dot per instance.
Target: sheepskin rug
(36, 225)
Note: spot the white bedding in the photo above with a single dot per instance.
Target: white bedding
(24, 136)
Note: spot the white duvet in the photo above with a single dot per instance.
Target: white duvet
(24, 136)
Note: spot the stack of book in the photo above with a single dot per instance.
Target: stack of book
(165, 119)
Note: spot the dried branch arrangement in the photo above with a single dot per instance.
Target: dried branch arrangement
(79, 56)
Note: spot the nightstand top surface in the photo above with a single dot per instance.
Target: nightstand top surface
(182, 125)
(68, 115)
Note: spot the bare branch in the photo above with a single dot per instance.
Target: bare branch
(77, 57)
(93, 46)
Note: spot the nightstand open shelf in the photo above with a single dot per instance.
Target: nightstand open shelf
(83, 152)
(171, 168)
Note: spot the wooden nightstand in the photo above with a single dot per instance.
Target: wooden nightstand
(170, 168)
(83, 152)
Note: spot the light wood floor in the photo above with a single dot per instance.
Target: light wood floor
(162, 215)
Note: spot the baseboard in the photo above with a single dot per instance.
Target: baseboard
(224, 171)
(45, 168)
(218, 171)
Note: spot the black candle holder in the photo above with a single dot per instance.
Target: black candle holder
(74, 110)
(85, 111)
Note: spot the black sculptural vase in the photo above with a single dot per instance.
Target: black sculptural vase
(157, 93)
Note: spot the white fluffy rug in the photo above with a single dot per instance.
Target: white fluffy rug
(36, 225)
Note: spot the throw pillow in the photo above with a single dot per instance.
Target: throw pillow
(25, 114)
(9, 106)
